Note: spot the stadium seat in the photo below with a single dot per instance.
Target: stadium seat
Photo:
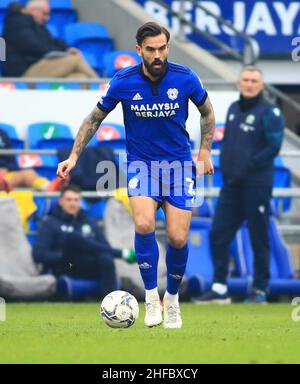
(49, 135)
(53, 30)
(200, 261)
(96, 209)
(110, 135)
(17, 143)
(62, 14)
(78, 288)
(45, 165)
(282, 179)
(218, 137)
(114, 61)
(93, 62)
(91, 38)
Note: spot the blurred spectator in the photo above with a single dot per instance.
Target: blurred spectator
(71, 243)
(253, 138)
(33, 52)
(12, 177)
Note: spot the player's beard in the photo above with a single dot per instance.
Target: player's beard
(156, 71)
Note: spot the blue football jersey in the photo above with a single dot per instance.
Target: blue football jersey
(155, 113)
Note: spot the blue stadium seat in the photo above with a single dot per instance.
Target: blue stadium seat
(93, 62)
(204, 210)
(49, 135)
(96, 209)
(53, 30)
(114, 61)
(110, 135)
(200, 261)
(17, 143)
(45, 165)
(78, 288)
(91, 38)
(282, 179)
(62, 14)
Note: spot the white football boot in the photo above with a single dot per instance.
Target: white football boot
(172, 316)
(153, 316)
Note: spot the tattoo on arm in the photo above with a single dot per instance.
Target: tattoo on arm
(87, 130)
(208, 124)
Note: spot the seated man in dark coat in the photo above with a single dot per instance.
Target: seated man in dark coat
(31, 51)
(71, 243)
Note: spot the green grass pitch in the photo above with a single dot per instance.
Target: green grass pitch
(74, 333)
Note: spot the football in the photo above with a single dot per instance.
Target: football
(119, 309)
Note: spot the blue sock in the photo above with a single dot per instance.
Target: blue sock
(147, 255)
(176, 265)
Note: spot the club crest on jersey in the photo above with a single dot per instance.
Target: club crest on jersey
(173, 93)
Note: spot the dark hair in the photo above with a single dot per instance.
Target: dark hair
(151, 29)
(70, 188)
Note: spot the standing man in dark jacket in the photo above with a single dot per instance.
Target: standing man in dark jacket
(29, 46)
(253, 137)
(71, 243)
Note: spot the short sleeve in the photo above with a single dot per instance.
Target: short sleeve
(111, 96)
(198, 93)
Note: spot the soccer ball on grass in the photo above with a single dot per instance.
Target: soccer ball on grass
(119, 309)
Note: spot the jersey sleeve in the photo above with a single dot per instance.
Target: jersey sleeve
(198, 93)
(111, 96)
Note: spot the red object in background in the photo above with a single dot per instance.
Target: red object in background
(219, 133)
(108, 132)
(30, 161)
(8, 86)
(124, 61)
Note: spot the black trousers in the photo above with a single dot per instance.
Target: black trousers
(237, 204)
(99, 267)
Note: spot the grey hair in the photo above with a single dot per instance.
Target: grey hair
(35, 3)
(252, 68)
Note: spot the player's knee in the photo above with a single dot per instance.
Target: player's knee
(178, 240)
(144, 225)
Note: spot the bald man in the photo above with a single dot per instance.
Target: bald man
(253, 138)
(29, 44)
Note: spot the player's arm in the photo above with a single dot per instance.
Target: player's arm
(208, 123)
(87, 130)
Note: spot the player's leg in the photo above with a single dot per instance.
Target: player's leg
(27, 179)
(178, 226)
(30, 179)
(147, 254)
